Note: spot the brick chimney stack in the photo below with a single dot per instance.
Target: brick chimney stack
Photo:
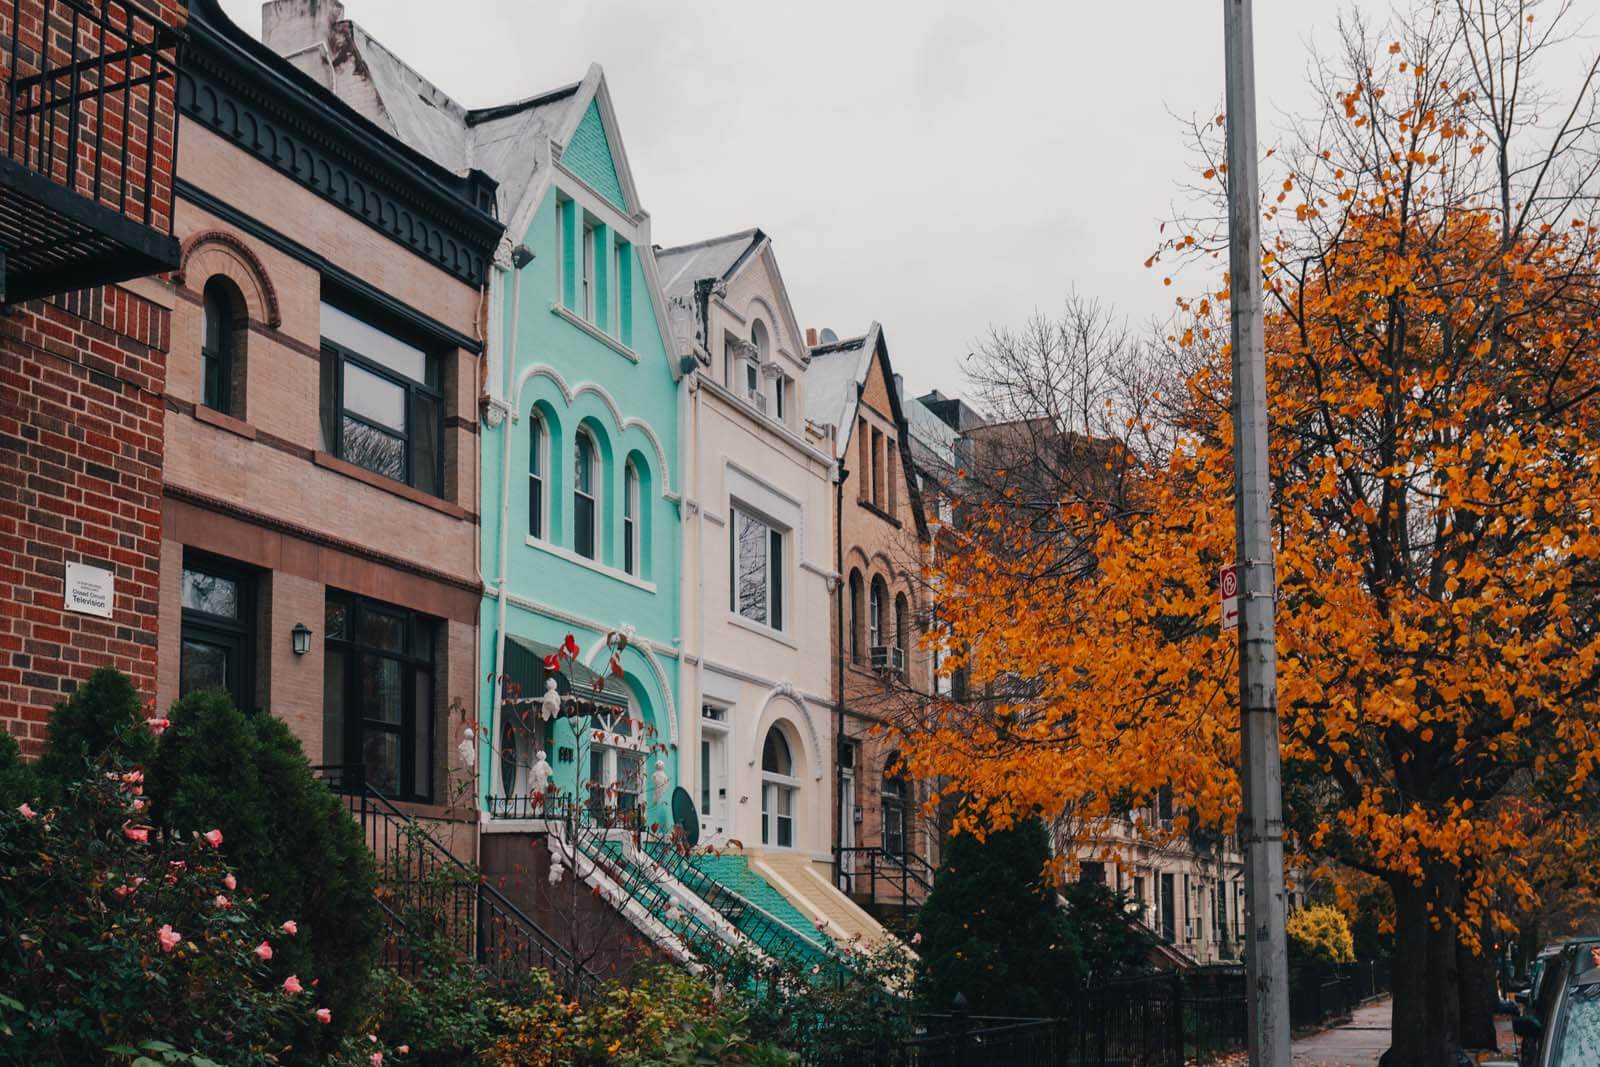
(811, 337)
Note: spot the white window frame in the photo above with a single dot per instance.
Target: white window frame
(776, 540)
(592, 494)
(776, 789)
(620, 734)
(630, 518)
(539, 457)
(586, 268)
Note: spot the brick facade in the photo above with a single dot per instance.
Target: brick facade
(81, 422)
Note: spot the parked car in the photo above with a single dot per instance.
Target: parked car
(1562, 1027)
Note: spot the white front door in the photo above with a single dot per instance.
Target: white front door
(847, 820)
(713, 781)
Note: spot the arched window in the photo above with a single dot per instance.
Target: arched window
(585, 509)
(894, 808)
(538, 464)
(630, 518)
(779, 785)
(853, 618)
(761, 339)
(219, 342)
(875, 618)
(902, 631)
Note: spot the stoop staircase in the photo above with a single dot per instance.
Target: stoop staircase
(425, 891)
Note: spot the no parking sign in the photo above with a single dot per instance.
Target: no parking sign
(1228, 587)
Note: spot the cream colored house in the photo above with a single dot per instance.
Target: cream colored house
(757, 737)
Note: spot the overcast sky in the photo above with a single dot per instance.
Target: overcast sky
(937, 166)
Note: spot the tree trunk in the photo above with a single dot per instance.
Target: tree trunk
(1479, 992)
(1425, 1027)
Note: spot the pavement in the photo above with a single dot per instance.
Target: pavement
(1359, 1042)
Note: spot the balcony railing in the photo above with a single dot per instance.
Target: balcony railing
(90, 139)
(563, 808)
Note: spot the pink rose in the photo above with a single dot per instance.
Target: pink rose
(214, 838)
(123, 890)
(404, 1050)
(264, 951)
(158, 726)
(25, 811)
(916, 938)
(324, 1016)
(135, 833)
(222, 902)
(168, 937)
(292, 984)
(230, 882)
(376, 1059)
(290, 927)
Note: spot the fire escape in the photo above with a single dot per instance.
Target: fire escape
(89, 143)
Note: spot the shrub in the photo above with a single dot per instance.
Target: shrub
(97, 719)
(1097, 923)
(294, 843)
(991, 928)
(858, 1011)
(18, 782)
(668, 1017)
(1320, 934)
(87, 896)
(447, 1014)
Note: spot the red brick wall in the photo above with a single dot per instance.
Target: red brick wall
(81, 377)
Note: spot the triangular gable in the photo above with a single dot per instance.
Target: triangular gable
(588, 155)
(877, 391)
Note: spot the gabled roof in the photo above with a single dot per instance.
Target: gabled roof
(691, 272)
(834, 383)
(715, 258)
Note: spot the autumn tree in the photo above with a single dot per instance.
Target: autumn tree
(1433, 360)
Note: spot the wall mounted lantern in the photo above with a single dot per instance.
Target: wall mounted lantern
(301, 636)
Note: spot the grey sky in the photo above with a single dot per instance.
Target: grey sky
(938, 166)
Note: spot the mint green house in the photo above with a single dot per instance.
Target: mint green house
(580, 447)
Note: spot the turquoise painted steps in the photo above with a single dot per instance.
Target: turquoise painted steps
(703, 942)
(727, 883)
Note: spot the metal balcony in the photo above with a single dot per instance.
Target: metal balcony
(88, 145)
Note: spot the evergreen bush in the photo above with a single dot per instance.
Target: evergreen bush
(97, 719)
(991, 929)
(18, 782)
(294, 843)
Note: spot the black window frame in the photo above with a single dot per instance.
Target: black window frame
(357, 725)
(892, 797)
(332, 400)
(218, 357)
(237, 635)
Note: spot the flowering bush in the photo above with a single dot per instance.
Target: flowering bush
(121, 943)
(858, 1010)
(1321, 934)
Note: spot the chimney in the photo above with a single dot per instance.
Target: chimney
(811, 337)
(900, 387)
(293, 28)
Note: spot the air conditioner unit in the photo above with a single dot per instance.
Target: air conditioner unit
(757, 399)
(888, 659)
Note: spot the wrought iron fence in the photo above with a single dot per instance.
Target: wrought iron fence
(565, 808)
(892, 884)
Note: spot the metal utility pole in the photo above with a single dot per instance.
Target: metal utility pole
(1266, 947)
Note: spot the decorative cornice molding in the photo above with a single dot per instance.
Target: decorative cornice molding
(280, 117)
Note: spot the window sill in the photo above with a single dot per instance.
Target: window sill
(876, 510)
(764, 630)
(589, 564)
(560, 310)
(213, 417)
(378, 481)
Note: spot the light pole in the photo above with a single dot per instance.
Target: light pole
(1266, 947)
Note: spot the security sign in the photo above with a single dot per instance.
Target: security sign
(1228, 587)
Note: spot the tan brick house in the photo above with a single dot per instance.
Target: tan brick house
(319, 500)
(886, 849)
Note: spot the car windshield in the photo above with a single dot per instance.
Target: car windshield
(1578, 1041)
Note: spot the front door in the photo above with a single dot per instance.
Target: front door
(713, 780)
(847, 821)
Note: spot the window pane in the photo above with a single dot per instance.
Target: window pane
(425, 431)
(776, 569)
(382, 629)
(375, 450)
(374, 398)
(347, 330)
(583, 526)
(333, 710)
(598, 779)
(536, 506)
(627, 545)
(202, 665)
(381, 755)
(422, 738)
(583, 464)
(705, 777)
(750, 541)
(329, 398)
(335, 619)
(422, 640)
(381, 696)
(210, 593)
(210, 373)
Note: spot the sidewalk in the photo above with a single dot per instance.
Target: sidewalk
(1364, 1038)
(1358, 1043)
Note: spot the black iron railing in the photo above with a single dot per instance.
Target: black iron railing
(430, 896)
(89, 143)
(565, 808)
(893, 885)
